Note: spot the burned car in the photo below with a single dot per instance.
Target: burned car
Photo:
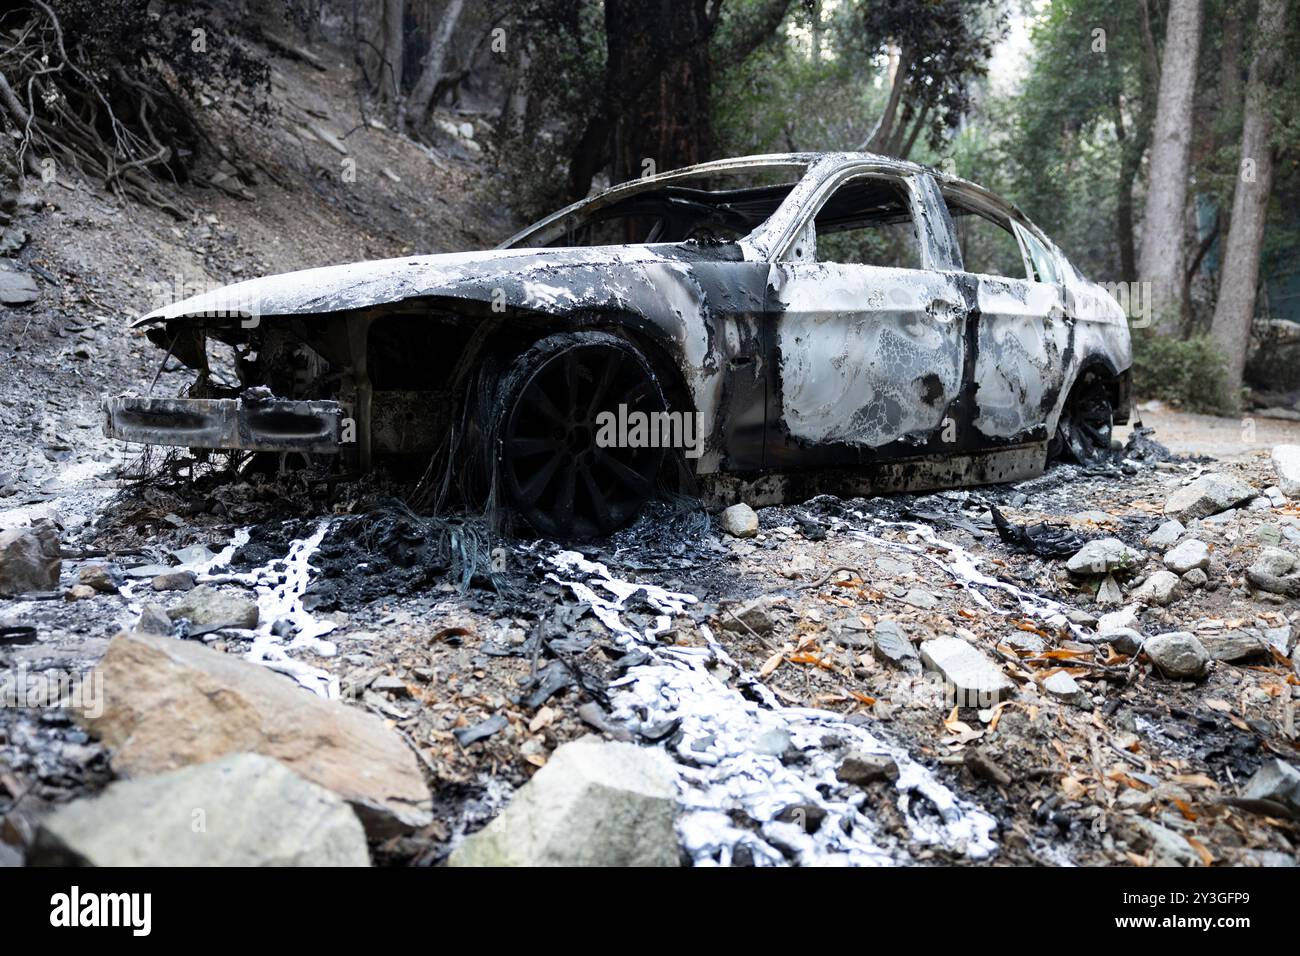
(758, 328)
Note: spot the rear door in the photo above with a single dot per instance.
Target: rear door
(1022, 334)
(867, 329)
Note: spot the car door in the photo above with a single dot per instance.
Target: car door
(1022, 333)
(867, 326)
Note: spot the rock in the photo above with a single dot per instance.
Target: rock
(754, 615)
(1158, 590)
(100, 577)
(177, 581)
(972, 679)
(1178, 654)
(1286, 462)
(241, 810)
(1166, 536)
(1208, 495)
(205, 606)
(1196, 578)
(1283, 638)
(861, 769)
(30, 559)
(1288, 586)
(595, 803)
(1277, 781)
(1166, 847)
(1063, 687)
(921, 599)
(79, 592)
(1118, 620)
(1109, 593)
(1232, 645)
(1104, 555)
(154, 620)
(1273, 561)
(1138, 801)
(1125, 640)
(979, 762)
(773, 742)
(1192, 553)
(892, 646)
(739, 521)
(168, 704)
(16, 288)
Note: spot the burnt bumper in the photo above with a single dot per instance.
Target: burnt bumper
(226, 423)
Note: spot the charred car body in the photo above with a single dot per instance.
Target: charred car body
(787, 323)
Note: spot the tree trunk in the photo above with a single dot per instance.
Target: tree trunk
(390, 75)
(660, 83)
(1161, 262)
(878, 137)
(422, 95)
(1235, 308)
(1130, 162)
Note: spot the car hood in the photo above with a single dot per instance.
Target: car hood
(547, 278)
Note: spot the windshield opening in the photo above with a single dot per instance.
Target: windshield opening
(710, 206)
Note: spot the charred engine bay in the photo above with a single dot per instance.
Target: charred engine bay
(771, 669)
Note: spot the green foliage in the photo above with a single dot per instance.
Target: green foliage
(1187, 372)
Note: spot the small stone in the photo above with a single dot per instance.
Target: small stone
(1208, 495)
(1196, 578)
(774, 742)
(1178, 654)
(1168, 848)
(1274, 561)
(205, 606)
(861, 769)
(1159, 589)
(1190, 554)
(154, 620)
(174, 581)
(739, 521)
(1286, 462)
(1064, 688)
(920, 599)
(754, 615)
(1167, 535)
(79, 592)
(16, 287)
(1117, 620)
(100, 577)
(1232, 645)
(1104, 555)
(972, 679)
(892, 646)
(1109, 593)
(595, 803)
(1277, 781)
(1137, 801)
(1125, 640)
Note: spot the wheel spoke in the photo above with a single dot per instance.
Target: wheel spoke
(539, 400)
(524, 447)
(564, 498)
(612, 366)
(625, 474)
(532, 489)
(599, 504)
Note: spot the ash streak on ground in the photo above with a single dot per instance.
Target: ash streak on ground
(723, 766)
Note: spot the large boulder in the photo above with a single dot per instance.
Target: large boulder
(30, 558)
(241, 810)
(595, 803)
(739, 521)
(1208, 495)
(169, 704)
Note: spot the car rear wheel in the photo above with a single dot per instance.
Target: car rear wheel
(1087, 419)
(556, 468)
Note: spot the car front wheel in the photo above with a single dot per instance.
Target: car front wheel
(563, 465)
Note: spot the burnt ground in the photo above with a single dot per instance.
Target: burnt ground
(485, 661)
